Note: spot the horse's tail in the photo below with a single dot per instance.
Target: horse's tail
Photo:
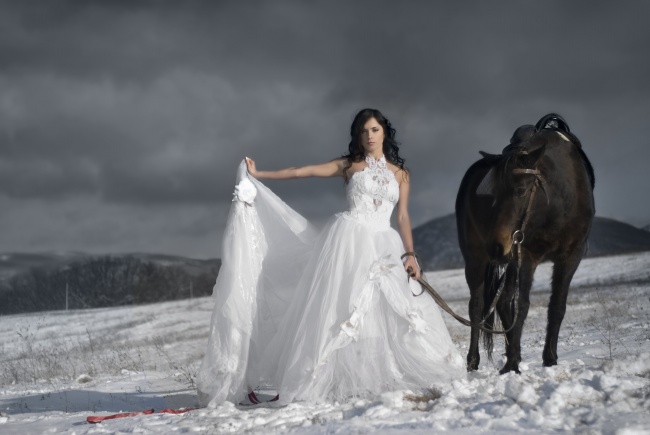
(491, 283)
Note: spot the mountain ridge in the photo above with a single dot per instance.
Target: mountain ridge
(12, 263)
(436, 241)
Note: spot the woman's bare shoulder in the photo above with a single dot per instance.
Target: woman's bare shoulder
(401, 174)
(351, 168)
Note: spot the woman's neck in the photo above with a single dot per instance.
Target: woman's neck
(376, 155)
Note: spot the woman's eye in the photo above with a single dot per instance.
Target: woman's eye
(520, 191)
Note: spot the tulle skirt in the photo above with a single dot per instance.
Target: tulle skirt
(354, 328)
(318, 316)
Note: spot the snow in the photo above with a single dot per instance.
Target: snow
(57, 368)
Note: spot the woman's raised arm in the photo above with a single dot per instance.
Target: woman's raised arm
(334, 168)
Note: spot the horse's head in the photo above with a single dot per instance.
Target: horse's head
(513, 181)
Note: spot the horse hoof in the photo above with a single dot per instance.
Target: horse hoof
(549, 358)
(472, 365)
(510, 368)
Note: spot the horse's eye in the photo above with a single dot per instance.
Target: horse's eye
(520, 191)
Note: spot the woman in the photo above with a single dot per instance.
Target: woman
(332, 315)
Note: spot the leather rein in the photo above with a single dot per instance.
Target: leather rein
(517, 240)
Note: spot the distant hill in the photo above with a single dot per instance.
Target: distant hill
(437, 241)
(14, 263)
(38, 282)
(647, 228)
(609, 237)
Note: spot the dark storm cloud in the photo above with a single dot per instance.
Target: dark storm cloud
(135, 106)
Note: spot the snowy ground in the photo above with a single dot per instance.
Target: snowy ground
(57, 368)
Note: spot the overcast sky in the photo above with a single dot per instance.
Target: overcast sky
(122, 123)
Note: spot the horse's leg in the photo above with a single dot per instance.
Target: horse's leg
(562, 274)
(474, 272)
(505, 308)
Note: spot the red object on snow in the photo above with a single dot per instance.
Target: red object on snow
(176, 411)
(99, 418)
(253, 398)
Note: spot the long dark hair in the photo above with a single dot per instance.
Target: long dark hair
(390, 147)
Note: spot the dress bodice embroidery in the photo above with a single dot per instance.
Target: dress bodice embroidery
(372, 194)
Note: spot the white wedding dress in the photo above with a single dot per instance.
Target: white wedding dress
(320, 316)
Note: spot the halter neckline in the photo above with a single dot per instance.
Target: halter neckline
(372, 161)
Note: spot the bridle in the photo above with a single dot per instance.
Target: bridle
(517, 240)
(518, 235)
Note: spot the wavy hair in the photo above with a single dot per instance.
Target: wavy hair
(390, 147)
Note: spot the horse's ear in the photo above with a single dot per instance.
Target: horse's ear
(490, 157)
(529, 159)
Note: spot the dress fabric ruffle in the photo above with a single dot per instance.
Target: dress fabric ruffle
(320, 317)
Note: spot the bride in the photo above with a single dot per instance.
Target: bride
(325, 316)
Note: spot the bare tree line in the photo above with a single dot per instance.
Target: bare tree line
(102, 282)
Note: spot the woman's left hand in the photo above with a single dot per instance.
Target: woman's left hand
(250, 165)
(413, 265)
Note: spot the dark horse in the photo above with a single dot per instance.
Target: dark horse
(542, 185)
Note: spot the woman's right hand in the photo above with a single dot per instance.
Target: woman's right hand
(250, 165)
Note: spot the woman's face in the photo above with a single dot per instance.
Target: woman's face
(372, 137)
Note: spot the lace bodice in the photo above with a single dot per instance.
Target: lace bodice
(372, 194)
